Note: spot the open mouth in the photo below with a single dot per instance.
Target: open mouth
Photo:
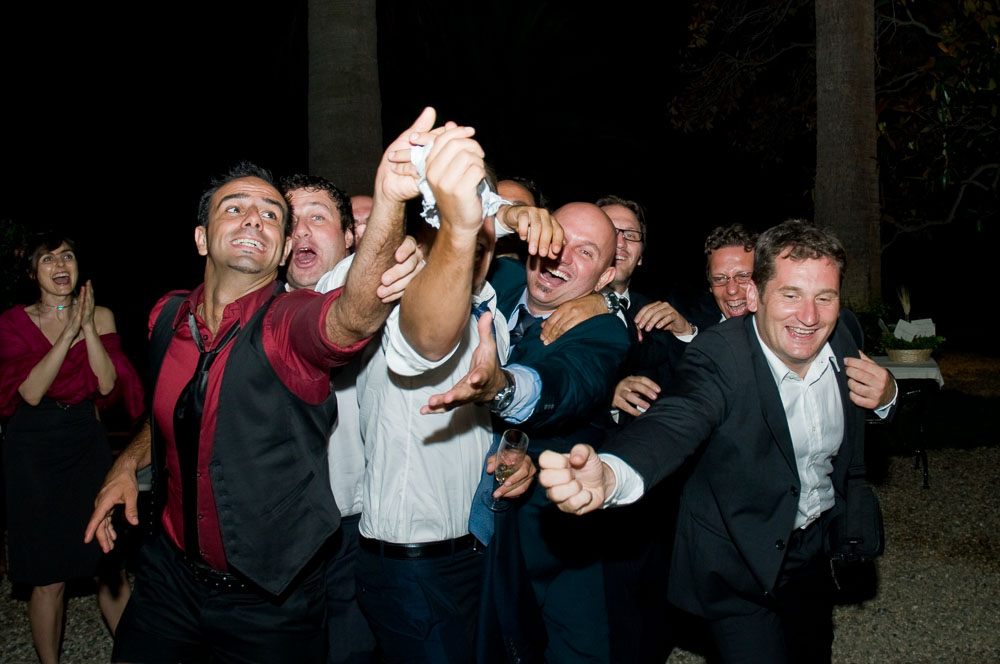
(800, 332)
(304, 256)
(62, 279)
(736, 307)
(249, 243)
(553, 277)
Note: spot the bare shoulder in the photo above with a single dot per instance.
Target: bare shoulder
(104, 320)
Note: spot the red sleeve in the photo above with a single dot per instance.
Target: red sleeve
(21, 348)
(128, 385)
(18, 356)
(296, 343)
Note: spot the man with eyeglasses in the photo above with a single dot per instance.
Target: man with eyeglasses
(729, 256)
(767, 411)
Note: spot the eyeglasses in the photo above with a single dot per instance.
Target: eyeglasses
(631, 236)
(720, 280)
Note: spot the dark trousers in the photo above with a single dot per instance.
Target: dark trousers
(798, 625)
(564, 565)
(638, 540)
(422, 610)
(172, 617)
(350, 638)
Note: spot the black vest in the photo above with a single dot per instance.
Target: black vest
(269, 460)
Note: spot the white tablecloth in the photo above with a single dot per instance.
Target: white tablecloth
(916, 370)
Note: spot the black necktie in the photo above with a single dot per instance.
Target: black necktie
(187, 430)
(524, 321)
(623, 301)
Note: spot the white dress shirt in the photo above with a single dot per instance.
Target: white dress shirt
(421, 470)
(345, 452)
(815, 414)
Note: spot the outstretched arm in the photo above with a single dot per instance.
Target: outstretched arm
(577, 482)
(120, 488)
(359, 311)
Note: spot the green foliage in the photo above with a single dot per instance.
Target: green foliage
(891, 342)
(939, 147)
(749, 71)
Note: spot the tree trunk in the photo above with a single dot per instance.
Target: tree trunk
(846, 169)
(345, 119)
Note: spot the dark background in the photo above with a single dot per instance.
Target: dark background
(116, 118)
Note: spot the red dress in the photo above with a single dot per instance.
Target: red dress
(56, 453)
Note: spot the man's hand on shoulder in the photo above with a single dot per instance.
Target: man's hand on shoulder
(570, 314)
(871, 386)
(577, 482)
(662, 316)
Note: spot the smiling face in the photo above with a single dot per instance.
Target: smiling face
(319, 241)
(584, 265)
(56, 271)
(729, 262)
(628, 254)
(798, 309)
(246, 228)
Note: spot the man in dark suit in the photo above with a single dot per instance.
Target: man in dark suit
(773, 403)
(558, 394)
(661, 331)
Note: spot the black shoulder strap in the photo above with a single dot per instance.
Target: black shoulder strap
(159, 340)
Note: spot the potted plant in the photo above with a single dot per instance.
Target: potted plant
(918, 349)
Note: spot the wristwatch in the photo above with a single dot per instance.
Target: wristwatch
(505, 396)
(611, 299)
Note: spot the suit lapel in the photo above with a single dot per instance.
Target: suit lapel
(842, 345)
(770, 398)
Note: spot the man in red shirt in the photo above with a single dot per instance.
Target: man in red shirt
(240, 415)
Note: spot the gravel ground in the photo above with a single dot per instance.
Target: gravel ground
(939, 581)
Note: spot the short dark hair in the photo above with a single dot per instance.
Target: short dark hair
(41, 244)
(532, 187)
(801, 241)
(243, 169)
(636, 209)
(722, 237)
(290, 183)
(733, 235)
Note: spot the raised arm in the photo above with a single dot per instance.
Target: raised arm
(434, 312)
(359, 311)
(43, 374)
(95, 322)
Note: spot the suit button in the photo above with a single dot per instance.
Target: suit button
(795, 491)
(780, 544)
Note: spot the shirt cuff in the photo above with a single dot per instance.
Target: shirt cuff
(527, 392)
(629, 485)
(500, 229)
(688, 338)
(883, 412)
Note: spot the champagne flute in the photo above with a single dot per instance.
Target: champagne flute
(510, 454)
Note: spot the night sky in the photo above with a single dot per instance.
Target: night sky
(115, 119)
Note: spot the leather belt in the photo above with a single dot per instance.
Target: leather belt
(421, 549)
(213, 578)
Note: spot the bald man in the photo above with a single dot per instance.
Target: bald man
(558, 394)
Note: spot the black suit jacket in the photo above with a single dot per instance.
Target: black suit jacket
(659, 351)
(739, 504)
(578, 371)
